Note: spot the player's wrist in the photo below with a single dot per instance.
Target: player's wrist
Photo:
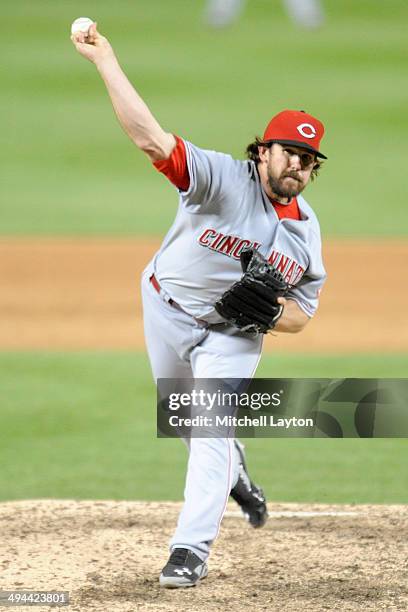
(106, 62)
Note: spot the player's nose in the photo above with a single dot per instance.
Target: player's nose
(294, 162)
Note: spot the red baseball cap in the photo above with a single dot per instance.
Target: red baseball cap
(298, 128)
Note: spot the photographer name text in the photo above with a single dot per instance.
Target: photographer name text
(244, 421)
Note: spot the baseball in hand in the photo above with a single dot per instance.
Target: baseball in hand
(82, 24)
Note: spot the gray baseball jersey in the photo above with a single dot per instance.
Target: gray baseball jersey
(224, 210)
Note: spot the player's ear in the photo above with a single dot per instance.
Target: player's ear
(263, 153)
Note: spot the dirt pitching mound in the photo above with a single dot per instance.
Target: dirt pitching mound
(108, 556)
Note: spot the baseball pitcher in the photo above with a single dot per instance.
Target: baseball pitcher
(242, 257)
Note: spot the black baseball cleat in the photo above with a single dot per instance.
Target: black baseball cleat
(248, 495)
(183, 569)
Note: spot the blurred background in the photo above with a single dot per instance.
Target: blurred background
(82, 211)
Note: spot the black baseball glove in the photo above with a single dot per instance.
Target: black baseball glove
(251, 303)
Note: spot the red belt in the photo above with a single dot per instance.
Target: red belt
(156, 285)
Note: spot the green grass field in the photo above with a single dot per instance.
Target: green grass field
(84, 426)
(68, 169)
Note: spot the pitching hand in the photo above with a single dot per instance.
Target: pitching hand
(92, 45)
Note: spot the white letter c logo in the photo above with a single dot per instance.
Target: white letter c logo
(310, 133)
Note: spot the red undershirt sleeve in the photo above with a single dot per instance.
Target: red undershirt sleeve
(175, 167)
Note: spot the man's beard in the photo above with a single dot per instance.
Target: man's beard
(280, 190)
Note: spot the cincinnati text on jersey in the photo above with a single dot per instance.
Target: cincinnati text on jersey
(232, 246)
